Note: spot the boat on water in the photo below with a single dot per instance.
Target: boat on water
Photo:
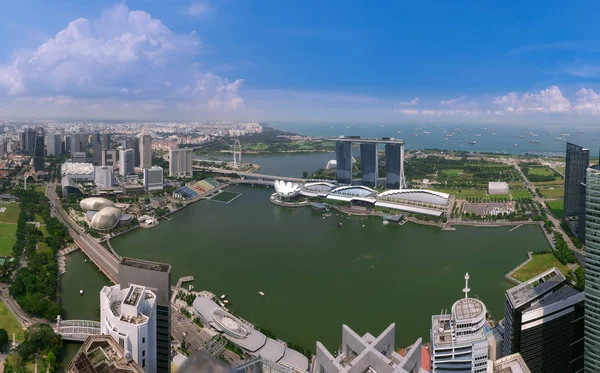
(565, 134)
(534, 141)
(472, 142)
(81, 291)
(226, 302)
(516, 145)
(224, 296)
(261, 293)
(558, 139)
(399, 132)
(426, 132)
(477, 135)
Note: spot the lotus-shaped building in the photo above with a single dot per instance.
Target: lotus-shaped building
(286, 189)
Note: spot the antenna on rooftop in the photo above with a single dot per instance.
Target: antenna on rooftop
(466, 290)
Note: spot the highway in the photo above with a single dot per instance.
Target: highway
(247, 174)
(102, 258)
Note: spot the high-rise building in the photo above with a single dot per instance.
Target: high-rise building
(27, 140)
(358, 354)
(394, 166)
(156, 277)
(133, 143)
(53, 144)
(104, 176)
(458, 339)
(39, 149)
(368, 162)
(128, 314)
(343, 152)
(78, 157)
(592, 271)
(145, 149)
(106, 141)
(126, 162)
(577, 161)
(109, 157)
(153, 178)
(78, 143)
(96, 149)
(543, 321)
(180, 162)
(102, 354)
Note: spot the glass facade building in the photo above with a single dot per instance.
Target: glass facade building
(577, 161)
(39, 150)
(393, 166)
(368, 161)
(343, 156)
(592, 271)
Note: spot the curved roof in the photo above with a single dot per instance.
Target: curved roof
(286, 188)
(106, 218)
(95, 203)
(331, 164)
(295, 359)
(417, 195)
(354, 190)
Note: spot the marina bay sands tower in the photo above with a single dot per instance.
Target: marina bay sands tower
(394, 161)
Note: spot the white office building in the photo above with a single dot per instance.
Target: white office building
(109, 157)
(78, 172)
(153, 178)
(180, 162)
(104, 176)
(458, 339)
(53, 144)
(129, 316)
(126, 162)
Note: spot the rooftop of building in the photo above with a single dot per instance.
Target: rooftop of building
(383, 140)
(535, 287)
(497, 184)
(468, 308)
(559, 295)
(77, 168)
(145, 264)
(511, 364)
(102, 354)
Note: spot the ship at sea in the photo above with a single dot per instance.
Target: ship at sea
(534, 141)
(519, 136)
(471, 142)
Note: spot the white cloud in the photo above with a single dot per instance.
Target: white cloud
(197, 9)
(550, 100)
(415, 101)
(123, 53)
(441, 112)
(453, 102)
(588, 102)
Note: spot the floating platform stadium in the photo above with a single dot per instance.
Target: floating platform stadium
(195, 189)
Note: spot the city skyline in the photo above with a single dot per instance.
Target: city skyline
(218, 60)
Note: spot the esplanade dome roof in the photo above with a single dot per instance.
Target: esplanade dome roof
(95, 203)
(106, 218)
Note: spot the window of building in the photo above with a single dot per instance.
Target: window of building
(143, 339)
(143, 363)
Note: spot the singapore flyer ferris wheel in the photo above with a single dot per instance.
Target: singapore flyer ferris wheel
(237, 154)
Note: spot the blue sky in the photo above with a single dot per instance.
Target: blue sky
(333, 61)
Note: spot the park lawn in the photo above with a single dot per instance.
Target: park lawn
(541, 170)
(561, 170)
(558, 182)
(464, 193)
(516, 184)
(42, 246)
(539, 264)
(8, 237)
(453, 172)
(553, 193)
(40, 189)
(10, 324)
(11, 215)
(520, 193)
(556, 207)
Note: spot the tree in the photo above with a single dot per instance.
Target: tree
(305, 175)
(51, 360)
(3, 337)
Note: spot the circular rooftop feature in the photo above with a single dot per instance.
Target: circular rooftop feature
(106, 218)
(95, 203)
(230, 324)
(469, 309)
(286, 189)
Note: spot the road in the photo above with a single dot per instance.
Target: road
(23, 318)
(578, 253)
(104, 260)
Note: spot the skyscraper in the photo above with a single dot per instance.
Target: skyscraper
(592, 271)
(155, 277)
(180, 162)
(394, 166)
(39, 149)
(153, 178)
(133, 143)
(368, 161)
(53, 144)
(126, 162)
(109, 157)
(343, 152)
(78, 143)
(104, 176)
(544, 322)
(105, 141)
(96, 149)
(26, 140)
(577, 161)
(458, 339)
(145, 149)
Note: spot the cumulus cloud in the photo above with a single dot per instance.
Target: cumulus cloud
(123, 53)
(415, 101)
(442, 112)
(453, 102)
(550, 100)
(588, 102)
(197, 9)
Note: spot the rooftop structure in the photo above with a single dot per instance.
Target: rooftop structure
(358, 139)
(105, 219)
(102, 354)
(545, 306)
(251, 340)
(78, 171)
(129, 316)
(458, 339)
(286, 189)
(497, 187)
(368, 354)
(511, 364)
(95, 203)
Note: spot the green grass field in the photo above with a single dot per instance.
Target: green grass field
(7, 238)
(42, 246)
(541, 170)
(561, 169)
(539, 264)
(556, 207)
(225, 197)
(453, 172)
(554, 183)
(552, 193)
(11, 215)
(40, 189)
(464, 193)
(10, 324)
(520, 193)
